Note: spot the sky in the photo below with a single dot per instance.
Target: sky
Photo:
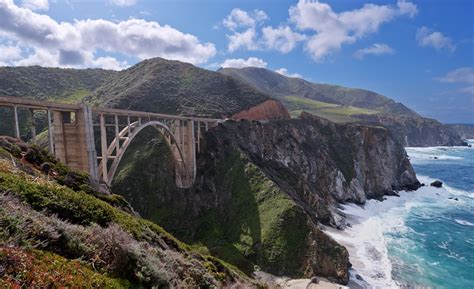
(418, 52)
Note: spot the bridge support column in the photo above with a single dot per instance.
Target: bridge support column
(190, 152)
(71, 135)
(185, 169)
(90, 145)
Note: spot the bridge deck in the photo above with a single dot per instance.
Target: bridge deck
(44, 105)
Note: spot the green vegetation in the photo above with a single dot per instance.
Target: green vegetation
(51, 83)
(78, 207)
(76, 222)
(258, 224)
(309, 103)
(39, 269)
(174, 87)
(280, 87)
(333, 112)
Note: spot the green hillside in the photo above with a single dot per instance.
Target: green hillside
(332, 111)
(297, 94)
(58, 84)
(175, 87)
(57, 231)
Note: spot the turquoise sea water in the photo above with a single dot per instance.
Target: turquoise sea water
(436, 249)
(422, 239)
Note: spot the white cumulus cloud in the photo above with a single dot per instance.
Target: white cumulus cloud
(9, 52)
(35, 4)
(426, 37)
(282, 39)
(375, 49)
(246, 33)
(408, 8)
(464, 76)
(75, 44)
(243, 26)
(460, 75)
(245, 39)
(330, 30)
(240, 18)
(284, 71)
(240, 63)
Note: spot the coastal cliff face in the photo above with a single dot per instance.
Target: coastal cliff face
(263, 188)
(465, 131)
(323, 161)
(417, 132)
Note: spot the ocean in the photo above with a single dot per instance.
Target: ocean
(422, 239)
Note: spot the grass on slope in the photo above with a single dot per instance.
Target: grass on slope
(74, 204)
(22, 268)
(333, 112)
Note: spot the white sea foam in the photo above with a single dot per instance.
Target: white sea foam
(379, 224)
(366, 239)
(464, 222)
(423, 154)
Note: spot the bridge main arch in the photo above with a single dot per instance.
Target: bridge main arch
(184, 158)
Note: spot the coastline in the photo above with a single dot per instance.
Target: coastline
(388, 248)
(366, 238)
(287, 283)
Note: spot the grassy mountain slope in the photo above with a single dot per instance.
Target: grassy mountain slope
(55, 84)
(348, 99)
(45, 83)
(45, 206)
(332, 111)
(175, 87)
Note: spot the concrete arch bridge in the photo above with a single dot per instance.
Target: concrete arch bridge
(94, 139)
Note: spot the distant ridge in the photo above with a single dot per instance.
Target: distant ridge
(348, 105)
(281, 87)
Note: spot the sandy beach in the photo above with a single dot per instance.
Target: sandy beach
(288, 283)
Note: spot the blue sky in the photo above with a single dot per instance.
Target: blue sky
(420, 53)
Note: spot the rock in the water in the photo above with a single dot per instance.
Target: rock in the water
(314, 280)
(358, 277)
(437, 184)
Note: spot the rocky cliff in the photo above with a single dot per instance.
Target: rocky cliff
(417, 132)
(465, 131)
(263, 189)
(269, 109)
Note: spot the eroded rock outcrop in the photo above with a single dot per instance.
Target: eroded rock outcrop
(269, 109)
